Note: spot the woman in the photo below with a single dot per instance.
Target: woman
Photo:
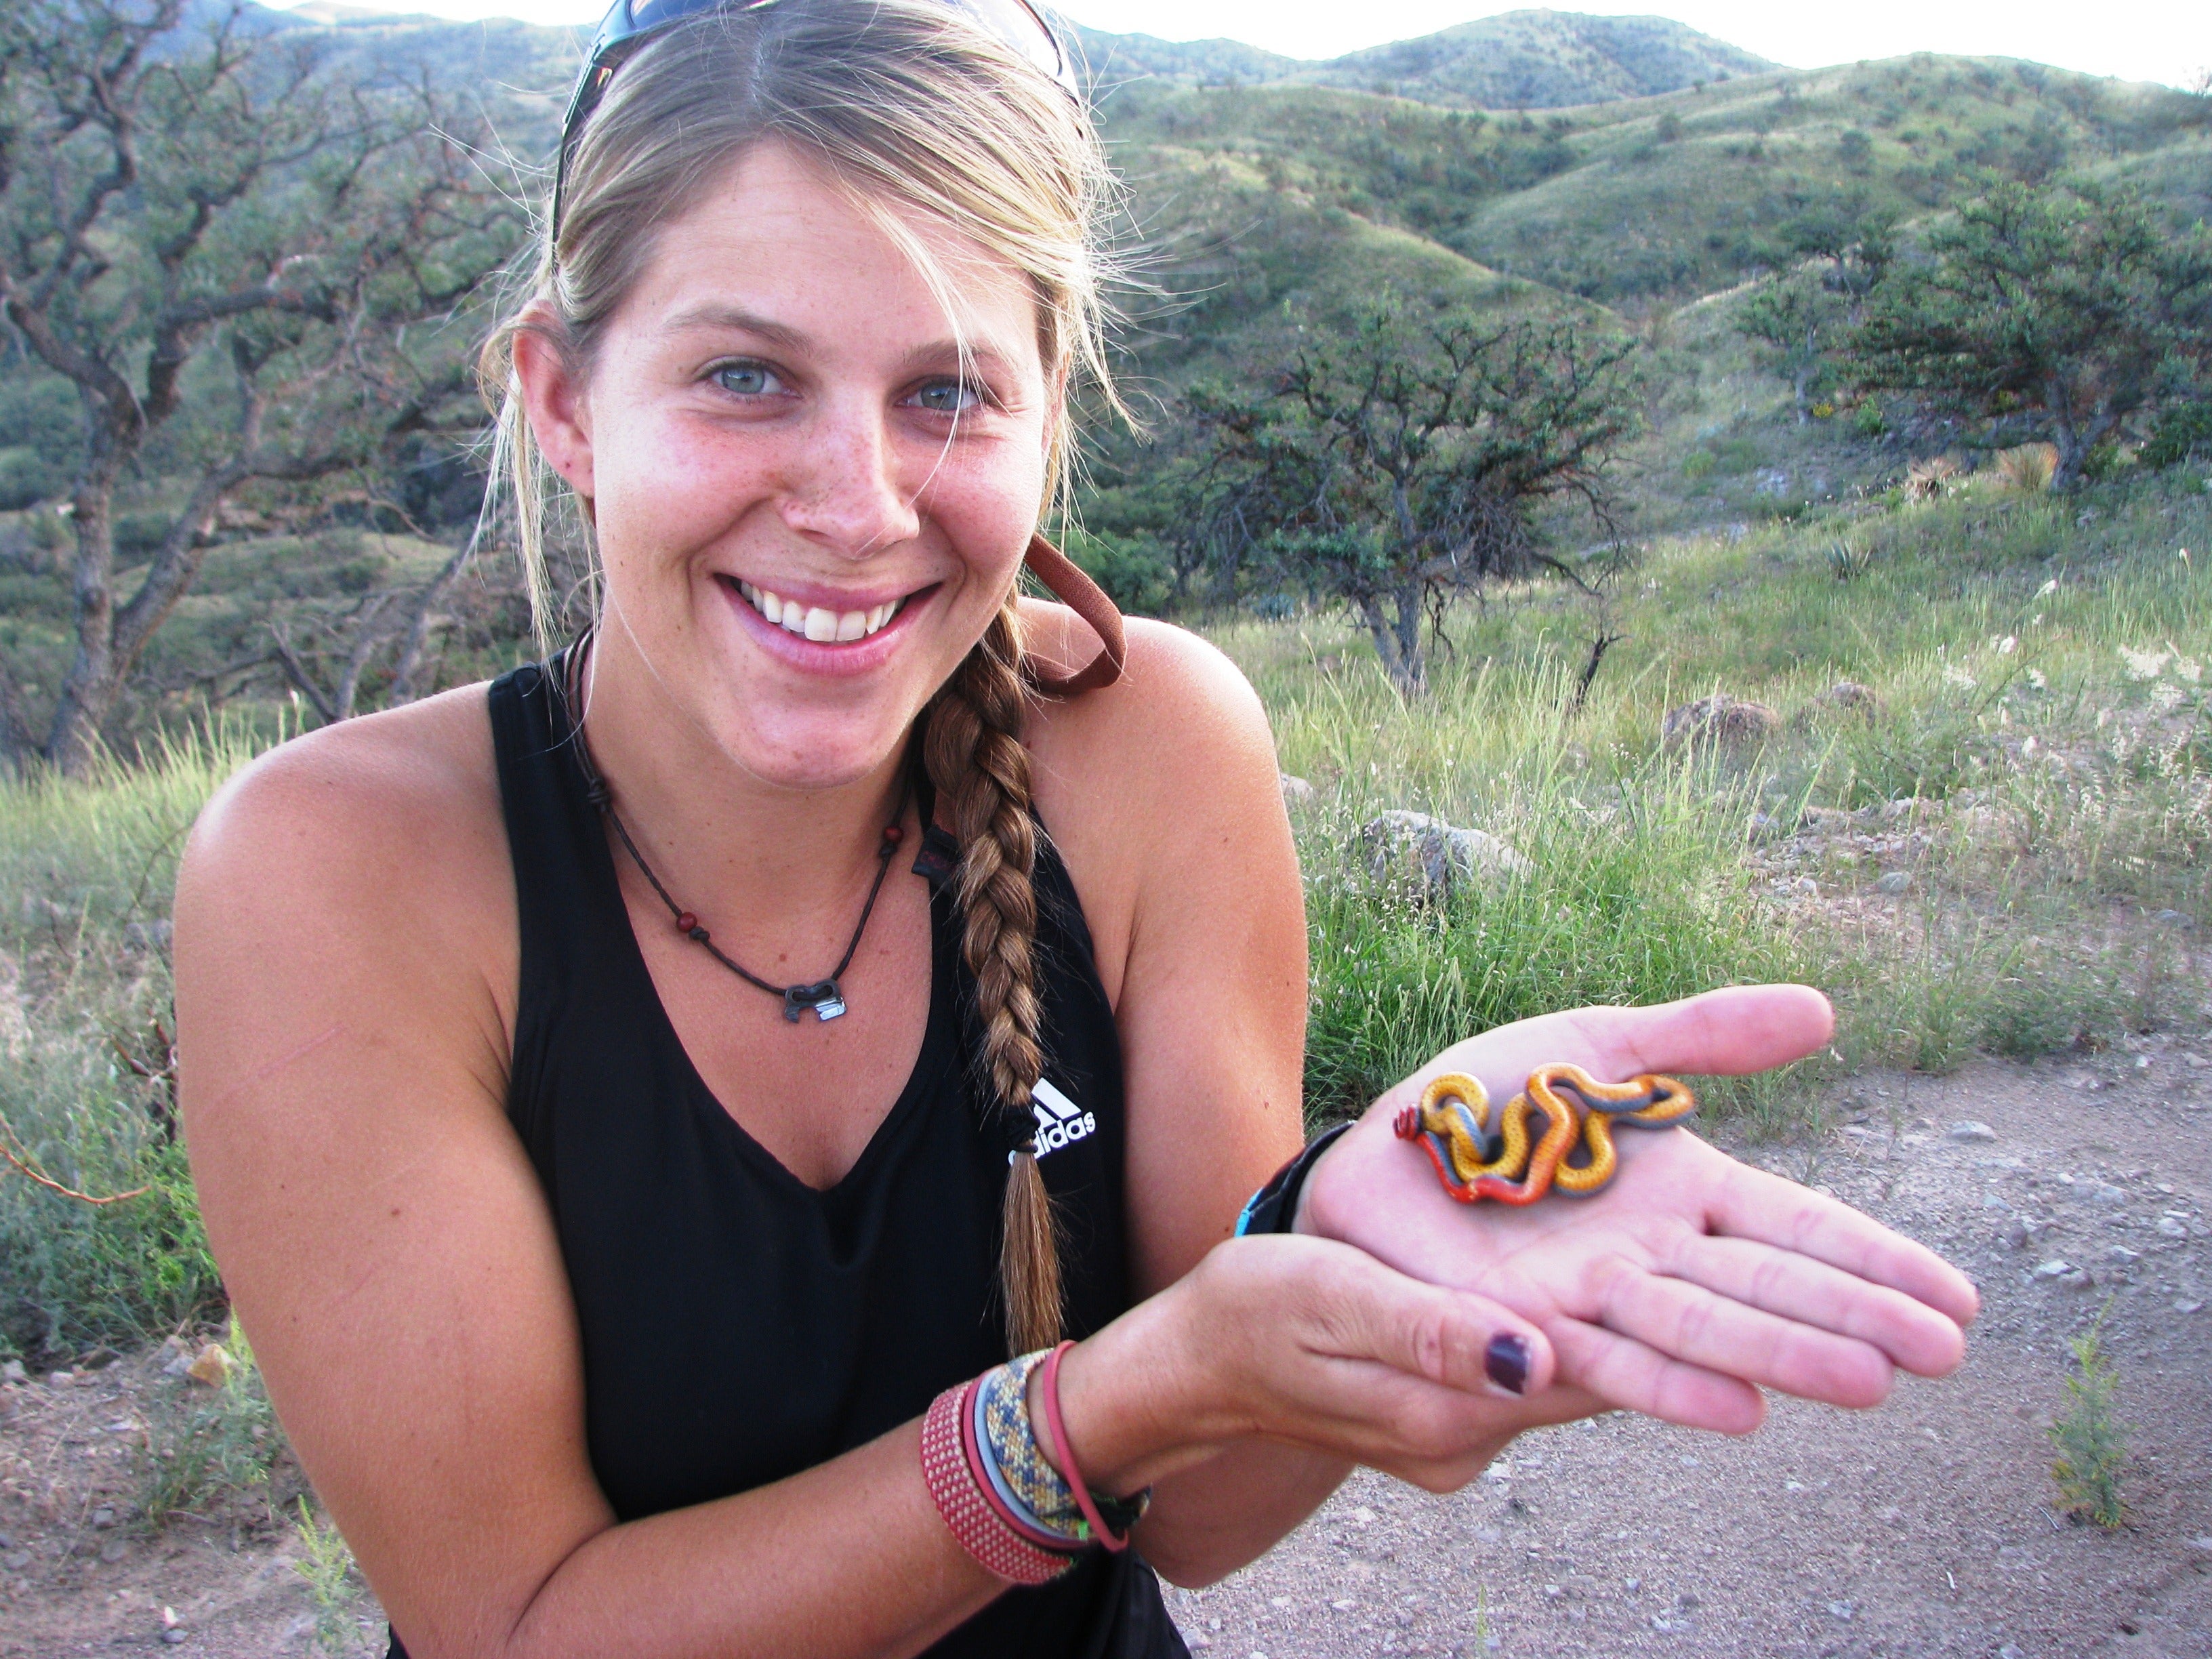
(623, 1100)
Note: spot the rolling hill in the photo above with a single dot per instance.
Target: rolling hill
(1519, 60)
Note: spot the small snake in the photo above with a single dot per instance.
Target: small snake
(1475, 1161)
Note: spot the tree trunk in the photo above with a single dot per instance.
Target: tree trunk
(1387, 651)
(1408, 629)
(1802, 386)
(418, 627)
(90, 689)
(2073, 436)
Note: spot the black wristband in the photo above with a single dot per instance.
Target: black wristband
(1274, 1207)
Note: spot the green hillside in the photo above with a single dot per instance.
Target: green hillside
(1261, 204)
(1540, 60)
(1667, 198)
(1520, 60)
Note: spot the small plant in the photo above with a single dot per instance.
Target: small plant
(1925, 480)
(1849, 562)
(327, 1566)
(2091, 1442)
(2028, 468)
(207, 1444)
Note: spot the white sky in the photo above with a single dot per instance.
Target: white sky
(2142, 40)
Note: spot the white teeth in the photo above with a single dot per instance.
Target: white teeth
(817, 623)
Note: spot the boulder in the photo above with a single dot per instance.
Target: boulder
(1849, 697)
(1719, 722)
(1430, 856)
(1297, 792)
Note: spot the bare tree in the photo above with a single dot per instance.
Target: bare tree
(1396, 466)
(330, 670)
(242, 265)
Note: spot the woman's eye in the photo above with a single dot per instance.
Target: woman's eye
(747, 379)
(948, 398)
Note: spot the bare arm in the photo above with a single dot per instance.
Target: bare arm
(342, 981)
(1164, 798)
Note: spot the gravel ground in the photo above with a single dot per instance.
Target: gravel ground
(1925, 1527)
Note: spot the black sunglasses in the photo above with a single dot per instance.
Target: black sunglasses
(629, 23)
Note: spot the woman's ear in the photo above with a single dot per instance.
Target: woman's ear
(553, 396)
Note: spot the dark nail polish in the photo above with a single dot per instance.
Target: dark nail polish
(1506, 1362)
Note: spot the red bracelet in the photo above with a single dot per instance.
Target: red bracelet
(955, 1488)
(1063, 1455)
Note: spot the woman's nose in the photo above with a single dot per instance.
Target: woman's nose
(845, 492)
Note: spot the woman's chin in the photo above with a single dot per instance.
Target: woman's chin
(817, 754)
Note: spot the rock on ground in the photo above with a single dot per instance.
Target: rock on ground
(1719, 722)
(1431, 856)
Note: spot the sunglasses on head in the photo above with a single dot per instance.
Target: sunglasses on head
(629, 24)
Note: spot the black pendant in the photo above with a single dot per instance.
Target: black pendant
(823, 997)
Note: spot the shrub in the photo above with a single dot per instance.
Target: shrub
(207, 1445)
(1925, 480)
(2091, 1442)
(2027, 468)
(2184, 433)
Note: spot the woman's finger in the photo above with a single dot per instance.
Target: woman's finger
(1792, 1287)
(1636, 1377)
(1755, 1205)
(1726, 1033)
(1360, 1308)
(1688, 1322)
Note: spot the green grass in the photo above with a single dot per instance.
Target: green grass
(326, 1565)
(2064, 805)
(2059, 787)
(84, 982)
(208, 1446)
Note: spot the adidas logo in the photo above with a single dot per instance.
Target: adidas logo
(1058, 1120)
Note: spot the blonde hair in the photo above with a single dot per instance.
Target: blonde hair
(922, 116)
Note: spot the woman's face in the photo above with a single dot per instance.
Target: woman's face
(808, 507)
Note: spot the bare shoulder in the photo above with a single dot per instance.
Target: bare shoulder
(1158, 788)
(1179, 700)
(386, 824)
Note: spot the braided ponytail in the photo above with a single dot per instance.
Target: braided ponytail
(973, 750)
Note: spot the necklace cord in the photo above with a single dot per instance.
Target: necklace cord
(820, 994)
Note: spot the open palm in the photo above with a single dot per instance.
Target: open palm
(1692, 1280)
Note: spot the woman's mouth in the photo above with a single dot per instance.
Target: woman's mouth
(814, 623)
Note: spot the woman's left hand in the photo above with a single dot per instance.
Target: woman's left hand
(1692, 1280)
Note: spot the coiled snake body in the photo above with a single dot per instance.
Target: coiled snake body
(1573, 1151)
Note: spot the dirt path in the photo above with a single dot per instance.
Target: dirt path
(1923, 1528)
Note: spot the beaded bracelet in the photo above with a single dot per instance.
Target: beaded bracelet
(964, 1496)
(1040, 1493)
(1003, 1499)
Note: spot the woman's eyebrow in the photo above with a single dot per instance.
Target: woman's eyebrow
(937, 352)
(735, 319)
(728, 318)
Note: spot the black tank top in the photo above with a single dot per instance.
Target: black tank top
(739, 1326)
